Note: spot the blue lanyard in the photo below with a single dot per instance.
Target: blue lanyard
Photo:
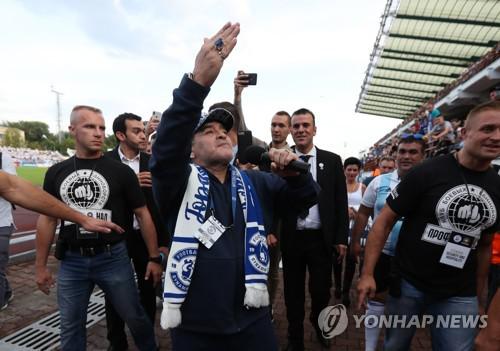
(234, 195)
(233, 191)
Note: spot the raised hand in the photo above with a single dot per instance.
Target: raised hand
(240, 83)
(212, 54)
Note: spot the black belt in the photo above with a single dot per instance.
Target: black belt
(91, 250)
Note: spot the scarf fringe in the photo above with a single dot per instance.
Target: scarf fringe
(170, 316)
(256, 296)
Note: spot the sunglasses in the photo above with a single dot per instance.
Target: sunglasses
(409, 136)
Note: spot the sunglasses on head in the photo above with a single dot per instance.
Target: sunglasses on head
(409, 136)
(220, 112)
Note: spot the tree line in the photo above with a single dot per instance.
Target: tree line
(37, 136)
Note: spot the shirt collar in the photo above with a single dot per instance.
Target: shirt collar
(311, 152)
(124, 158)
(286, 146)
(395, 175)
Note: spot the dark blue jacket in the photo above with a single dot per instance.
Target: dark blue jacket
(214, 303)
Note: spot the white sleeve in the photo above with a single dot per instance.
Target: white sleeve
(370, 194)
(7, 164)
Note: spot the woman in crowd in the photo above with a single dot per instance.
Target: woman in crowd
(355, 190)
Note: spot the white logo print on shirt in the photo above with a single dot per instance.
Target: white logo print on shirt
(460, 212)
(468, 212)
(86, 194)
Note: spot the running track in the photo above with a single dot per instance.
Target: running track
(23, 239)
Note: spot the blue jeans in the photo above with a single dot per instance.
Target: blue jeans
(415, 302)
(112, 272)
(5, 290)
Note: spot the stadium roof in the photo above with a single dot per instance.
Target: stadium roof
(422, 46)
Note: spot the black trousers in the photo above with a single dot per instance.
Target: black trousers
(257, 336)
(139, 254)
(307, 250)
(350, 270)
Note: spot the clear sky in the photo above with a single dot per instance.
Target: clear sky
(128, 56)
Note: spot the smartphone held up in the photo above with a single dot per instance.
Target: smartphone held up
(252, 78)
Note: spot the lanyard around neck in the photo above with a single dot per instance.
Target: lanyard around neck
(91, 172)
(234, 195)
(462, 175)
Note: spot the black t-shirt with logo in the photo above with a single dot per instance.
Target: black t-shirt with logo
(439, 199)
(102, 188)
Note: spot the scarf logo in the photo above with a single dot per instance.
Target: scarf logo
(258, 253)
(199, 207)
(182, 268)
(240, 189)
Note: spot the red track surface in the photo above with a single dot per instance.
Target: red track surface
(25, 220)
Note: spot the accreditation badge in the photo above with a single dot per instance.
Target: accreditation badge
(210, 232)
(457, 249)
(82, 233)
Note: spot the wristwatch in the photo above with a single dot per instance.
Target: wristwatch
(156, 259)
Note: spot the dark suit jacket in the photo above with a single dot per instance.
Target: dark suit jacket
(161, 230)
(332, 203)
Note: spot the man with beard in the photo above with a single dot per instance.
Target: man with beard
(130, 133)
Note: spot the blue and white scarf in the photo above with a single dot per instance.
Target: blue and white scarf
(182, 256)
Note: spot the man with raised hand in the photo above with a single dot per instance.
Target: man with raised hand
(215, 286)
(450, 209)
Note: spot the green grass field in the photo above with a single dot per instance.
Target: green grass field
(33, 174)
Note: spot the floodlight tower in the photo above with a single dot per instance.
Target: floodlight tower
(58, 94)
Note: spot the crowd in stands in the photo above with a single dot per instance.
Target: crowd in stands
(31, 157)
(441, 136)
(427, 121)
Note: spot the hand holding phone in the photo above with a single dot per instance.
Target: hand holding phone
(153, 123)
(156, 116)
(245, 79)
(252, 78)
